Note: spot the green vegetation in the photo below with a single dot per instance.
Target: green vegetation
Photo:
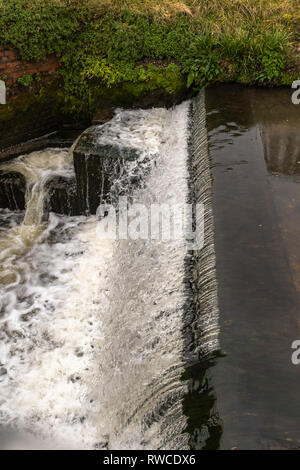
(26, 79)
(155, 44)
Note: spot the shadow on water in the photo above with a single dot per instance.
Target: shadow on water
(254, 146)
(204, 424)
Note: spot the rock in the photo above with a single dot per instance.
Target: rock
(62, 196)
(97, 167)
(12, 191)
(103, 115)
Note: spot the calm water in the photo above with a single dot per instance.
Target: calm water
(254, 145)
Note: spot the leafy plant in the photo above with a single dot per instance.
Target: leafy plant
(202, 62)
(272, 66)
(25, 80)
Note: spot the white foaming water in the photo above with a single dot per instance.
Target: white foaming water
(123, 130)
(37, 168)
(91, 330)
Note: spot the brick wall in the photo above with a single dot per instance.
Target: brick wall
(13, 67)
(27, 113)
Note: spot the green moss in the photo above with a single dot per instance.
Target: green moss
(38, 111)
(47, 95)
(161, 86)
(170, 79)
(25, 80)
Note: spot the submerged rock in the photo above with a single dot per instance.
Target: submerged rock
(12, 191)
(62, 196)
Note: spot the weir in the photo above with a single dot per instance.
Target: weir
(96, 334)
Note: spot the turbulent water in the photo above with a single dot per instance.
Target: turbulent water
(39, 168)
(92, 347)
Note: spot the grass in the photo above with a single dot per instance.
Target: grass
(111, 42)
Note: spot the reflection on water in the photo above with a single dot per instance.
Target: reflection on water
(279, 120)
(254, 147)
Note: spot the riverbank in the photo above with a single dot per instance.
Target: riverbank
(113, 42)
(108, 53)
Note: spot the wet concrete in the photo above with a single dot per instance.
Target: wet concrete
(255, 151)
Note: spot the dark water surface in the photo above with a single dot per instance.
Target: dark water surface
(254, 142)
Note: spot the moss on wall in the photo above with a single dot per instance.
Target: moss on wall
(162, 85)
(38, 111)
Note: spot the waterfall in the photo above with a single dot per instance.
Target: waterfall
(205, 288)
(96, 333)
(38, 168)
